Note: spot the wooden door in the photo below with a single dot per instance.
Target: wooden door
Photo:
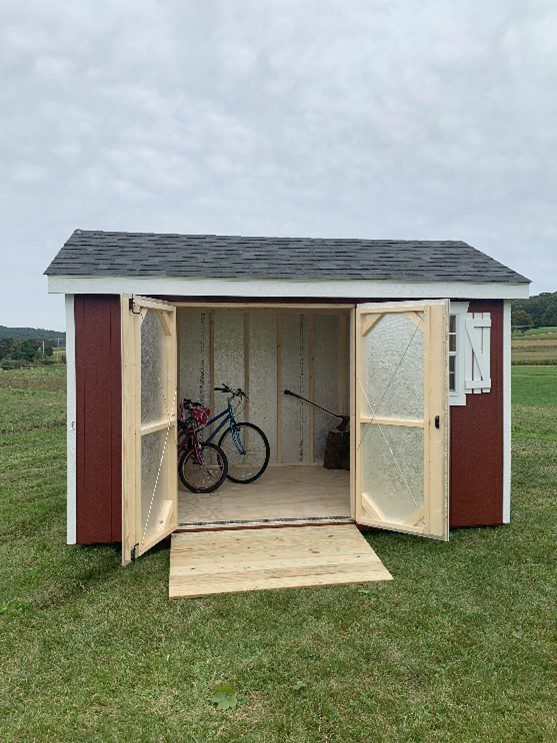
(401, 425)
(149, 384)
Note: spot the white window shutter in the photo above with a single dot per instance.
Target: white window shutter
(477, 373)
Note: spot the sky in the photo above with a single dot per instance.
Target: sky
(320, 118)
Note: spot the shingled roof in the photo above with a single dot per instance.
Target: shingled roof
(96, 253)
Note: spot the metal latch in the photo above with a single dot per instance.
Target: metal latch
(437, 422)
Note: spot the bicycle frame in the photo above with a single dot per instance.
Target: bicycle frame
(227, 416)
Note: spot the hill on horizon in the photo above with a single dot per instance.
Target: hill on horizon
(24, 333)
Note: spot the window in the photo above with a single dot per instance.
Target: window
(457, 339)
(469, 352)
(452, 353)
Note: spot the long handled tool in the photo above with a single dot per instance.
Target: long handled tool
(344, 419)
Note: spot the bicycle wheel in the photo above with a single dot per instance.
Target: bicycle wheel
(205, 474)
(247, 451)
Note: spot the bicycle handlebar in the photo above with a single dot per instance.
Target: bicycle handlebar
(235, 393)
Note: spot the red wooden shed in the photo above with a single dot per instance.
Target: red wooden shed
(410, 339)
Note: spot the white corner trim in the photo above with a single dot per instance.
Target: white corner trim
(507, 372)
(71, 523)
(357, 289)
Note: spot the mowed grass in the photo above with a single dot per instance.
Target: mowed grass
(534, 397)
(459, 646)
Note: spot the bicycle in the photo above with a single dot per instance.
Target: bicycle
(203, 466)
(244, 444)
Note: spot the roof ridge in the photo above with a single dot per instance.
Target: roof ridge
(386, 240)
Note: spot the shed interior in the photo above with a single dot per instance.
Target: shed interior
(265, 350)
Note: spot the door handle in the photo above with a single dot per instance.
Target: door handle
(437, 422)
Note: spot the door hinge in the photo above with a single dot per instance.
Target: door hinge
(131, 304)
(133, 553)
(437, 422)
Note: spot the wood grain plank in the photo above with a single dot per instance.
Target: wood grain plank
(209, 563)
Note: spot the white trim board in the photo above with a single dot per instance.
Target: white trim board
(71, 517)
(507, 371)
(194, 287)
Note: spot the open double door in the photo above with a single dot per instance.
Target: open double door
(399, 419)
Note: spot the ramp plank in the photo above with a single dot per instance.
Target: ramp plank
(205, 563)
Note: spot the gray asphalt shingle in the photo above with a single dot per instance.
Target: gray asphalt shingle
(96, 253)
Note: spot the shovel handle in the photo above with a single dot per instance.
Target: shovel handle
(315, 405)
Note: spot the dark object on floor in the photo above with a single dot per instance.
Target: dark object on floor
(337, 449)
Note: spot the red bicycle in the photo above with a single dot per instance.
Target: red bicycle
(203, 466)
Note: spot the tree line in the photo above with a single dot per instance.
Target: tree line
(56, 336)
(539, 311)
(18, 352)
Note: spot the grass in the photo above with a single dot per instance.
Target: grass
(457, 647)
(536, 332)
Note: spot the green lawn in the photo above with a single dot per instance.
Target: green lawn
(550, 331)
(458, 646)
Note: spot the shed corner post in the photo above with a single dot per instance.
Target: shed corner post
(71, 482)
(507, 372)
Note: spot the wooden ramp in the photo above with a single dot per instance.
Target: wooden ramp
(209, 562)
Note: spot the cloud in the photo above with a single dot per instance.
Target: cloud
(355, 119)
(27, 172)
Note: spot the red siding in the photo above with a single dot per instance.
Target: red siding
(98, 419)
(476, 449)
(476, 445)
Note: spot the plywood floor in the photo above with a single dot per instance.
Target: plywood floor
(283, 494)
(210, 562)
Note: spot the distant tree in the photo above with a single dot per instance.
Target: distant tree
(541, 307)
(25, 350)
(549, 317)
(522, 319)
(6, 345)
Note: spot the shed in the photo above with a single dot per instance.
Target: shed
(410, 339)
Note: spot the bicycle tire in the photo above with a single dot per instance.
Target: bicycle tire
(228, 435)
(223, 468)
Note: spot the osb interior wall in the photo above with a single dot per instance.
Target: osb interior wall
(265, 352)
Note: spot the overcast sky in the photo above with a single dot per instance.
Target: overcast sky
(365, 118)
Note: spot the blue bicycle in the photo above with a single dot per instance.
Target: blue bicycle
(242, 453)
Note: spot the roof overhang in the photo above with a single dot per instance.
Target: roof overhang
(332, 289)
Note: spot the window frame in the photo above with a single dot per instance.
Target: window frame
(458, 310)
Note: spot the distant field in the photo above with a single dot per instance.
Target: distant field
(536, 332)
(535, 346)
